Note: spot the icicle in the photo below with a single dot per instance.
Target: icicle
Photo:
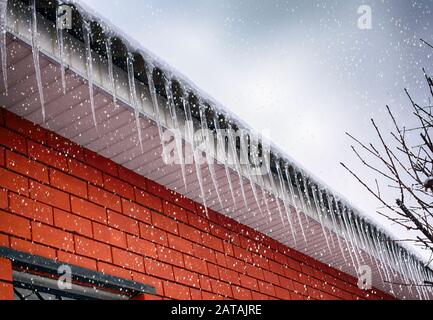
(285, 201)
(111, 70)
(36, 60)
(61, 48)
(275, 191)
(133, 97)
(89, 65)
(334, 224)
(306, 194)
(316, 191)
(292, 194)
(190, 128)
(3, 48)
(325, 213)
(245, 160)
(176, 127)
(234, 156)
(209, 152)
(263, 187)
(222, 150)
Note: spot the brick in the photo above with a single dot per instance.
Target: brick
(92, 249)
(242, 254)
(176, 292)
(195, 264)
(123, 223)
(49, 196)
(128, 260)
(105, 198)
(136, 211)
(211, 297)
(24, 127)
(145, 279)
(198, 222)
(52, 237)
(241, 293)
(101, 163)
(229, 276)
(4, 202)
(271, 277)
(26, 167)
(190, 233)
(14, 182)
(6, 291)
(30, 209)
(33, 248)
(48, 156)
(195, 294)
(212, 242)
(152, 234)
(5, 270)
(170, 256)
(260, 261)
(254, 272)
(266, 288)
(142, 247)
(132, 178)
(186, 277)
(68, 183)
(2, 157)
(88, 210)
(205, 283)
(109, 235)
(4, 240)
(75, 260)
(119, 187)
(14, 225)
(106, 268)
(221, 288)
(213, 270)
(221, 259)
(175, 212)
(185, 203)
(159, 190)
(72, 223)
(85, 172)
(235, 264)
(159, 269)
(67, 147)
(12, 140)
(204, 253)
(180, 244)
(148, 200)
(164, 223)
(248, 282)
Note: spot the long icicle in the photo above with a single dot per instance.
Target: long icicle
(111, 69)
(133, 97)
(3, 47)
(275, 191)
(176, 127)
(209, 152)
(89, 66)
(232, 146)
(222, 150)
(285, 201)
(245, 160)
(316, 192)
(36, 58)
(190, 128)
(61, 49)
(292, 194)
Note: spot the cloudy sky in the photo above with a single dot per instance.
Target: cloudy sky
(301, 69)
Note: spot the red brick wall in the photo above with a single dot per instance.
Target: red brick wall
(64, 202)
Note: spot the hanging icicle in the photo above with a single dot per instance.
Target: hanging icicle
(87, 34)
(221, 149)
(133, 97)
(176, 129)
(111, 69)
(61, 49)
(3, 46)
(36, 58)
(235, 158)
(209, 151)
(190, 128)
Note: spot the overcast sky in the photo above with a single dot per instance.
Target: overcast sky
(299, 68)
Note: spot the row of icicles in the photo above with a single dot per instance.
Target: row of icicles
(291, 189)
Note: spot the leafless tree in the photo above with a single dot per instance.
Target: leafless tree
(405, 162)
